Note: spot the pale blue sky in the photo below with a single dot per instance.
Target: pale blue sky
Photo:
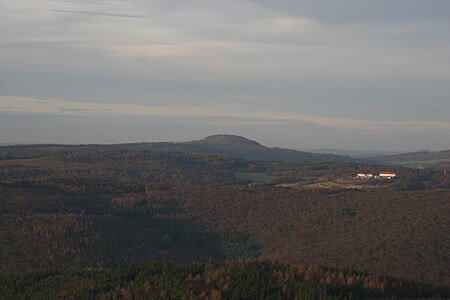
(349, 74)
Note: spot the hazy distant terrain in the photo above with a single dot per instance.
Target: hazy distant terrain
(424, 159)
(226, 145)
(353, 153)
(237, 146)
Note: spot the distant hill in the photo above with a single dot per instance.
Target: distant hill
(423, 159)
(240, 147)
(227, 140)
(352, 153)
(221, 144)
(418, 156)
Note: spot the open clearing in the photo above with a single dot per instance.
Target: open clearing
(257, 177)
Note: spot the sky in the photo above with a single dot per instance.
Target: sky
(348, 74)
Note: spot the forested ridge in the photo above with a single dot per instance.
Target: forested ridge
(229, 280)
(96, 208)
(222, 144)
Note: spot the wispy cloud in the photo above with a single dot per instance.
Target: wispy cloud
(99, 13)
(169, 50)
(59, 107)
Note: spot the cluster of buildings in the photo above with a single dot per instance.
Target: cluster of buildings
(382, 175)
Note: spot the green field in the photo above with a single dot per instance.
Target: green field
(341, 184)
(288, 185)
(262, 177)
(324, 184)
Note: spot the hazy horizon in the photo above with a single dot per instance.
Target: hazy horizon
(350, 75)
(345, 151)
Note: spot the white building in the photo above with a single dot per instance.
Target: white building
(387, 175)
(364, 176)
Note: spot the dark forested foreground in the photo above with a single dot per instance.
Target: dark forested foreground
(64, 209)
(230, 280)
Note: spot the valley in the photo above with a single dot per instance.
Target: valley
(108, 206)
